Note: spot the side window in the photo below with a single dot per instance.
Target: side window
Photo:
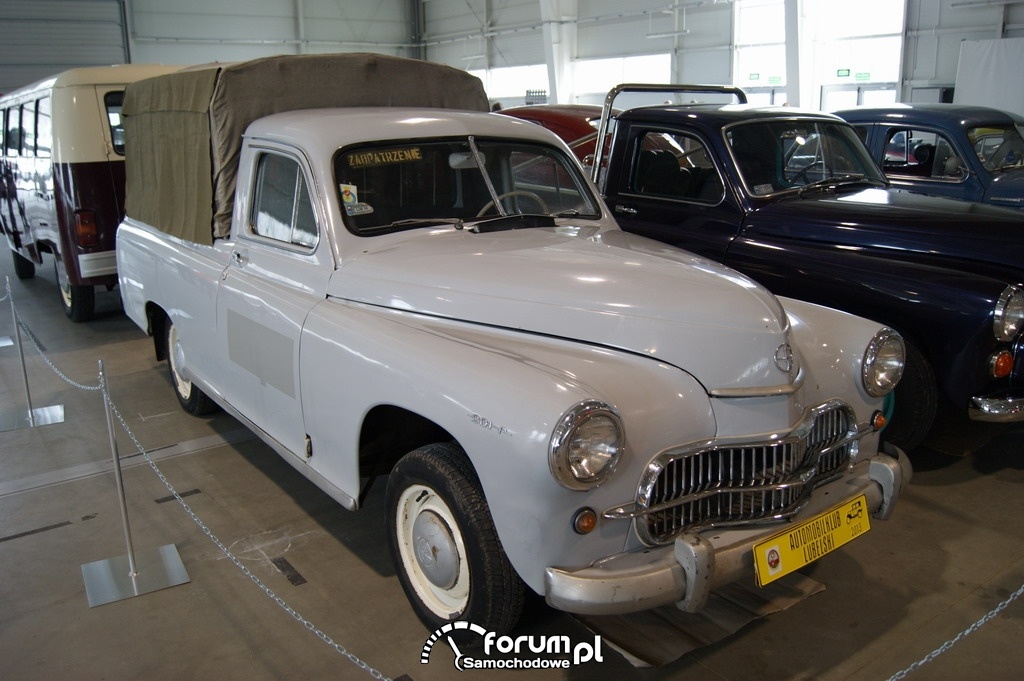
(113, 101)
(28, 129)
(282, 209)
(920, 153)
(44, 128)
(675, 166)
(12, 133)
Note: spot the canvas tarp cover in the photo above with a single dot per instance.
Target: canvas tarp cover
(184, 130)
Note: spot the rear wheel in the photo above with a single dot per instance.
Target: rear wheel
(192, 399)
(444, 544)
(79, 302)
(23, 267)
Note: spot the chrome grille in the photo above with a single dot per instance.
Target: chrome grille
(721, 485)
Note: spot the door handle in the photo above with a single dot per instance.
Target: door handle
(628, 210)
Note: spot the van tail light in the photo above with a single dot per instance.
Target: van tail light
(86, 230)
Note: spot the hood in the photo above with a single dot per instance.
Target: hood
(982, 239)
(1007, 189)
(609, 289)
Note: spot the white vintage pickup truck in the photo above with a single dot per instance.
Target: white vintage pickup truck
(396, 283)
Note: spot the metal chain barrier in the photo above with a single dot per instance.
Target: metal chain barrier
(195, 518)
(959, 637)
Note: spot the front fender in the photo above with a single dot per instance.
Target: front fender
(499, 393)
(945, 313)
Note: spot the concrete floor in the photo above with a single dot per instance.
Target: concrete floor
(952, 553)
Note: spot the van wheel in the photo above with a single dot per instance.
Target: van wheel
(192, 399)
(79, 302)
(23, 267)
(444, 544)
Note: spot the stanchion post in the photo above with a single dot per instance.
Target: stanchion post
(117, 578)
(21, 354)
(132, 570)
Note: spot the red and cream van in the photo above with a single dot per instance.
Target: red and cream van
(62, 187)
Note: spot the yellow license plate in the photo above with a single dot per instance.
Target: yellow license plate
(798, 546)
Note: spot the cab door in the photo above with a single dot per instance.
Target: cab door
(669, 187)
(278, 271)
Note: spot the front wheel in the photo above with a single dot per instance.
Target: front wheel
(916, 403)
(444, 544)
(192, 399)
(79, 302)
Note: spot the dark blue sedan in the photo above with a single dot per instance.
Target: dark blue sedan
(963, 152)
(794, 200)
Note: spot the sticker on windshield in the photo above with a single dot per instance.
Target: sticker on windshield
(350, 201)
(354, 209)
(349, 195)
(762, 189)
(368, 159)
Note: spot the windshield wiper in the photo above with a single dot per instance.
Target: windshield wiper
(831, 183)
(503, 223)
(424, 222)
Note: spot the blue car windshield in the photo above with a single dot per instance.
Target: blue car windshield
(785, 155)
(999, 147)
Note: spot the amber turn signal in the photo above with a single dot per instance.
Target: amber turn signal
(584, 521)
(1001, 364)
(878, 420)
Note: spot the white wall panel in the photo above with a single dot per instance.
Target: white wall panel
(936, 29)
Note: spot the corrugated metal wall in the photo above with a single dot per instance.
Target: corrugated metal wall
(42, 37)
(39, 38)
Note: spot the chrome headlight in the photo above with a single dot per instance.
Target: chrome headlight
(1008, 318)
(883, 364)
(585, 445)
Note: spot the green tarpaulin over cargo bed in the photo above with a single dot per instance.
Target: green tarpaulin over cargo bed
(183, 131)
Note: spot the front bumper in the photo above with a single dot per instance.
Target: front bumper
(998, 409)
(688, 570)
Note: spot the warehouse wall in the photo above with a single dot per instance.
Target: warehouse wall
(41, 37)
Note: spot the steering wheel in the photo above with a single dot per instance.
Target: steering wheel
(517, 192)
(803, 171)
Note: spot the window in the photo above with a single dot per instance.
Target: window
(12, 134)
(385, 188)
(113, 102)
(44, 128)
(997, 146)
(282, 208)
(920, 153)
(28, 129)
(780, 155)
(676, 166)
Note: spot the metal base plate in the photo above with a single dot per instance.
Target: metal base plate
(111, 580)
(41, 416)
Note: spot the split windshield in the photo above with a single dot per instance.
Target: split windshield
(784, 155)
(390, 187)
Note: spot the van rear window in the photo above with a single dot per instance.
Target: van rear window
(113, 102)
